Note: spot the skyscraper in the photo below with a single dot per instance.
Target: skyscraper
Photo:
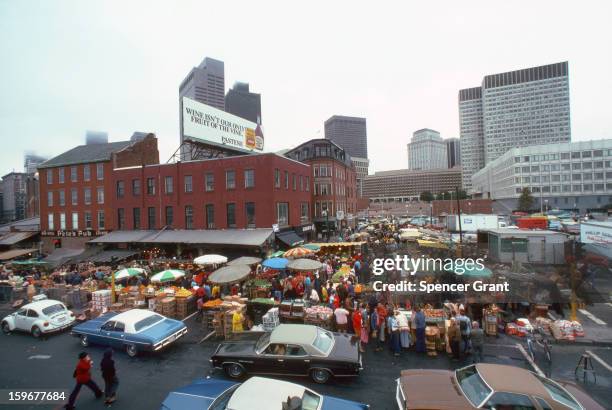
(453, 152)
(348, 132)
(513, 109)
(96, 137)
(243, 103)
(427, 150)
(205, 83)
(31, 161)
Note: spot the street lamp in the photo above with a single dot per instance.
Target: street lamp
(546, 205)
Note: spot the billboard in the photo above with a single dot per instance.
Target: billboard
(596, 232)
(208, 124)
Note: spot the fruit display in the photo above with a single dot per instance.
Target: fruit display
(183, 293)
(318, 312)
(434, 313)
(212, 303)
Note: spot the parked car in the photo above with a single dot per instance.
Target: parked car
(488, 386)
(133, 331)
(296, 350)
(257, 393)
(41, 317)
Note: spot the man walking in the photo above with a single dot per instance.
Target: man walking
(82, 374)
(477, 339)
(420, 325)
(465, 326)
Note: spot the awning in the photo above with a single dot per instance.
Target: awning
(15, 253)
(60, 256)
(107, 256)
(229, 237)
(12, 238)
(289, 238)
(326, 244)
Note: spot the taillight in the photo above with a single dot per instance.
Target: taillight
(46, 324)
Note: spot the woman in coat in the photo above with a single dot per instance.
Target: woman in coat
(109, 374)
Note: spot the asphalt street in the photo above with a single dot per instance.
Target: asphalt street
(147, 379)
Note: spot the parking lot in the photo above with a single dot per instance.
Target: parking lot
(147, 379)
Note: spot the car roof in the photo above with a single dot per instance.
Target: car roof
(259, 393)
(511, 379)
(287, 333)
(41, 304)
(132, 316)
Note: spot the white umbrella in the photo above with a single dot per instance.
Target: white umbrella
(210, 259)
(169, 275)
(128, 273)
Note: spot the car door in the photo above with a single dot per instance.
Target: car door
(105, 333)
(21, 319)
(117, 335)
(31, 318)
(297, 361)
(272, 360)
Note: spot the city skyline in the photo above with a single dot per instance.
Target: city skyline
(135, 90)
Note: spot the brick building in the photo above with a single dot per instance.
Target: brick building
(76, 188)
(334, 186)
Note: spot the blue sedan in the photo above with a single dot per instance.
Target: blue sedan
(133, 331)
(257, 393)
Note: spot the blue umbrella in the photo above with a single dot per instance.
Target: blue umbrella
(276, 263)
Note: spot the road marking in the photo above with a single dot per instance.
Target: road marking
(191, 315)
(531, 362)
(600, 360)
(592, 316)
(206, 337)
(39, 357)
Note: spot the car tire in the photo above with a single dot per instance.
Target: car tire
(36, 332)
(84, 341)
(131, 350)
(320, 376)
(234, 370)
(6, 328)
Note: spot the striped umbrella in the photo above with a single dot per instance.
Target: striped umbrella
(128, 273)
(298, 252)
(313, 247)
(169, 275)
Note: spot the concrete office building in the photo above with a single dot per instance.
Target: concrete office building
(31, 162)
(569, 176)
(350, 133)
(453, 152)
(243, 103)
(14, 197)
(426, 151)
(472, 134)
(519, 108)
(362, 166)
(404, 185)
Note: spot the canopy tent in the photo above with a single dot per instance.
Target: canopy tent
(275, 263)
(211, 259)
(304, 265)
(169, 275)
(15, 253)
(12, 238)
(289, 238)
(298, 252)
(245, 260)
(230, 274)
(432, 244)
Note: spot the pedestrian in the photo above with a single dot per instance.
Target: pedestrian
(357, 323)
(365, 327)
(394, 331)
(109, 374)
(237, 321)
(314, 297)
(419, 322)
(465, 325)
(341, 315)
(374, 328)
(454, 338)
(477, 340)
(404, 327)
(82, 374)
(382, 326)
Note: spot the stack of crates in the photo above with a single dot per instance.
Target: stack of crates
(168, 307)
(271, 319)
(101, 300)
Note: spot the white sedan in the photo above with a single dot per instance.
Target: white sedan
(39, 318)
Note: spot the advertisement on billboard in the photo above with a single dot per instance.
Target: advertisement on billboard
(208, 124)
(596, 232)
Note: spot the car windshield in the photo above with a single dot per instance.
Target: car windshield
(323, 341)
(310, 400)
(146, 322)
(50, 310)
(263, 341)
(559, 394)
(221, 402)
(472, 385)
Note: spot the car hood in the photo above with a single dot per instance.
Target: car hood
(587, 402)
(334, 403)
(345, 348)
(432, 389)
(197, 396)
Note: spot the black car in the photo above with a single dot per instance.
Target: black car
(296, 350)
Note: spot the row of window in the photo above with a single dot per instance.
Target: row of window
(564, 167)
(569, 188)
(74, 196)
(304, 181)
(598, 176)
(74, 173)
(598, 153)
(87, 221)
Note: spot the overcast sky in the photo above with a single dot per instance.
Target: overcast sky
(69, 66)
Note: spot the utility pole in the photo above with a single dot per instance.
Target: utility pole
(459, 248)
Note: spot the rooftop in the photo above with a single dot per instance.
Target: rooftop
(86, 153)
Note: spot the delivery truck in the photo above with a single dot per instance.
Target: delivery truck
(472, 223)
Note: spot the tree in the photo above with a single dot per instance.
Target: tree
(463, 195)
(426, 196)
(525, 201)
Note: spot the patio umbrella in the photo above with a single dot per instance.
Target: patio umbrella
(275, 263)
(128, 273)
(245, 260)
(298, 252)
(169, 275)
(313, 247)
(211, 259)
(304, 264)
(230, 274)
